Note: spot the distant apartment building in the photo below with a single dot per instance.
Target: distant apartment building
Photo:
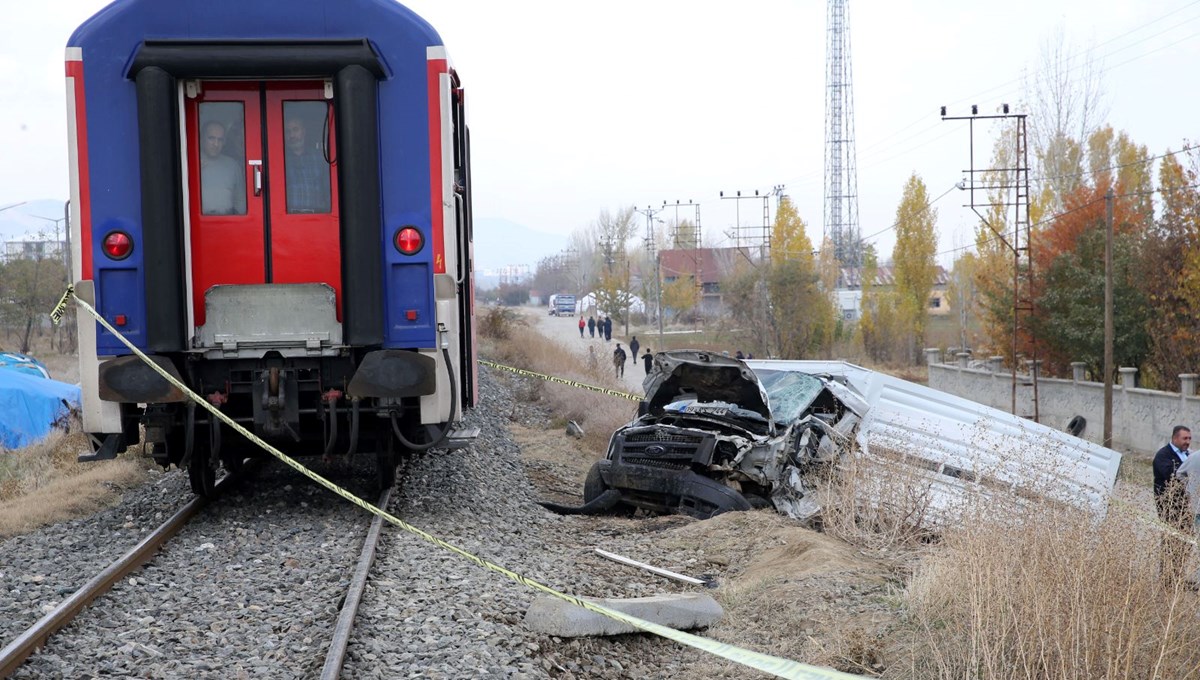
(514, 273)
(33, 250)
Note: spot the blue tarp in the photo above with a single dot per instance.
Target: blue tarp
(23, 363)
(29, 406)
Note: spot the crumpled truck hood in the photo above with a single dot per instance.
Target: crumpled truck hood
(707, 376)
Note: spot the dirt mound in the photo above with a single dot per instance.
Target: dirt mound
(764, 545)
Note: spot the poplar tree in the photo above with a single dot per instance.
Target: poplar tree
(913, 263)
(800, 313)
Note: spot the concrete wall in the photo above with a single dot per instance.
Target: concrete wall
(1142, 419)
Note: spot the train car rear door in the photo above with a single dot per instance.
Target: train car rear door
(262, 186)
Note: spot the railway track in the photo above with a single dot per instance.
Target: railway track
(28, 643)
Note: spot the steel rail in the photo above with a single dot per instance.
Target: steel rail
(336, 656)
(16, 652)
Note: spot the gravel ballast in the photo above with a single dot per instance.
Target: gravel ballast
(253, 585)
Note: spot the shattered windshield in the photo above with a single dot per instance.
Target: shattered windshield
(789, 392)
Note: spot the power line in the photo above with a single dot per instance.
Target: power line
(888, 141)
(1072, 210)
(927, 206)
(1101, 170)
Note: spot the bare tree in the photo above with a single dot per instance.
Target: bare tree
(1066, 102)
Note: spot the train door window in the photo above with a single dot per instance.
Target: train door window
(307, 156)
(222, 147)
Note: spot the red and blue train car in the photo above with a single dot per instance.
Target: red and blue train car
(273, 201)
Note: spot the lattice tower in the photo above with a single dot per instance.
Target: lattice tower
(841, 173)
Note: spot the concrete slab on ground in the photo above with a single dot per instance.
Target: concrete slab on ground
(685, 611)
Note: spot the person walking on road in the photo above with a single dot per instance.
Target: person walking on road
(619, 360)
(592, 326)
(647, 359)
(607, 329)
(1171, 501)
(582, 323)
(633, 348)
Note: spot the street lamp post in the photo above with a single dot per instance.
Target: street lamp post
(63, 245)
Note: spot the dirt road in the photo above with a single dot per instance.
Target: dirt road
(565, 331)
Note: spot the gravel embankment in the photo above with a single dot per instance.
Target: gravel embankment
(253, 586)
(39, 569)
(429, 613)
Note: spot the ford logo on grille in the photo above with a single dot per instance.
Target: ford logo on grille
(655, 450)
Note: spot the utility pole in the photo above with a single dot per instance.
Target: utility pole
(1108, 316)
(651, 214)
(651, 248)
(1019, 242)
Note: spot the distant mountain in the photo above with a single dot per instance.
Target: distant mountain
(500, 242)
(32, 220)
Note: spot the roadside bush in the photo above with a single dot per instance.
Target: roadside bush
(498, 322)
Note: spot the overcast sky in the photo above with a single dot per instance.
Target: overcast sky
(577, 107)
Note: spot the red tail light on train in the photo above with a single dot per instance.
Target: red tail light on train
(409, 240)
(118, 245)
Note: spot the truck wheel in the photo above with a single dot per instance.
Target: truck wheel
(593, 484)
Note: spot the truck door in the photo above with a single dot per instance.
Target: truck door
(262, 186)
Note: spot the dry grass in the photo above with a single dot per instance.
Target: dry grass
(998, 585)
(877, 504)
(598, 414)
(43, 484)
(1053, 593)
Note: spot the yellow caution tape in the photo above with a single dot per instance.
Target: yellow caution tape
(60, 309)
(564, 381)
(784, 668)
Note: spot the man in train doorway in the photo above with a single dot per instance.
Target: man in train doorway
(306, 170)
(222, 185)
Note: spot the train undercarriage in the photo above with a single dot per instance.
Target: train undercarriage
(301, 406)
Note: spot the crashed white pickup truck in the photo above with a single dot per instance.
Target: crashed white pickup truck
(716, 434)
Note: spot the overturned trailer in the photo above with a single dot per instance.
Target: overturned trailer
(716, 434)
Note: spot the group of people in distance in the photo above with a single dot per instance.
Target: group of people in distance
(619, 357)
(603, 326)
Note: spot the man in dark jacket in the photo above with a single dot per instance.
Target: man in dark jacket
(619, 360)
(1171, 501)
(592, 326)
(633, 348)
(647, 359)
(607, 328)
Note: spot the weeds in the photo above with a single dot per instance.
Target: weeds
(520, 346)
(42, 484)
(1051, 593)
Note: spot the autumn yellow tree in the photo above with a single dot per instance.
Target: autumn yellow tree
(801, 315)
(680, 295)
(877, 321)
(914, 265)
(1170, 260)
